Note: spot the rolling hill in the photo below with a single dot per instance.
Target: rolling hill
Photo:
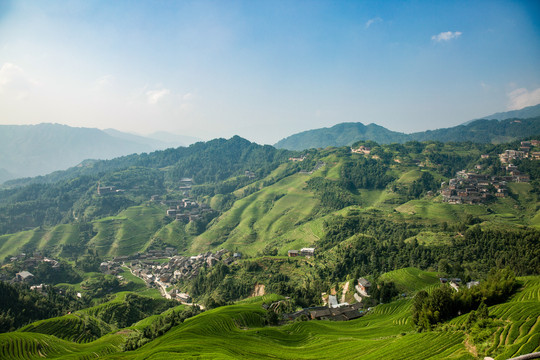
(481, 131)
(379, 215)
(239, 331)
(31, 150)
(525, 113)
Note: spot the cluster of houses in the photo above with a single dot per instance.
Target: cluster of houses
(149, 255)
(250, 174)
(473, 188)
(342, 313)
(307, 252)
(186, 210)
(296, 159)
(336, 311)
(361, 150)
(106, 190)
(524, 152)
(110, 267)
(29, 263)
(179, 267)
(455, 283)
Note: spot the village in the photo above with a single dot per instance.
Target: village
(166, 274)
(29, 263)
(475, 188)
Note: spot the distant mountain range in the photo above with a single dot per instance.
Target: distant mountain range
(496, 128)
(525, 113)
(31, 150)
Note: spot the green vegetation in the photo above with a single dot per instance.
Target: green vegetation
(239, 331)
(378, 215)
(444, 303)
(481, 131)
(19, 305)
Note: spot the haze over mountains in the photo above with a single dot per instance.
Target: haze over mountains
(31, 150)
(494, 130)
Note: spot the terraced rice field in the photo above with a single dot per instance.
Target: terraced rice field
(521, 334)
(411, 279)
(237, 331)
(269, 216)
(76, 328)
(19, 345)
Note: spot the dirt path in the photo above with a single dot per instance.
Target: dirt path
(258, 291)
(345, 291)
(163, 290)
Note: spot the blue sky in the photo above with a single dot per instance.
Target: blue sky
(265, 69)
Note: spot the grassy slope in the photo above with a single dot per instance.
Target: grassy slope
(411, 279)
(519, 317)
(275, 215)
(236, 331)
(128, 232)
(174, 234)
(226, 333)
(77, 327)
(20, 345)
(521, 333)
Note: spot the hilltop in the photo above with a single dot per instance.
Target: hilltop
(481, 131)
(31, 150)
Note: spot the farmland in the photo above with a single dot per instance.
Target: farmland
(239, 331)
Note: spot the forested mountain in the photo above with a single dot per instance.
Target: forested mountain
(481, 131)
(484, 131)
(31, 150)
(340, 135)
(525, 113)
(263, 198)
(63, 195)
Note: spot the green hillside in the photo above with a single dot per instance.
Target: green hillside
(128, 232)
(239, 331)
(76, 328)
(481, 131)
(340, 135)
(274, 216)
(382, 215)
(411, 280)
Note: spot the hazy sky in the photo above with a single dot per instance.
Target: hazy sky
(265, 69)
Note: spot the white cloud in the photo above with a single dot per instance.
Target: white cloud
(154, 96)
(520, 98)
(188, 96)
(373, 21)
(446, 36)
(15, 82)
(104, 81)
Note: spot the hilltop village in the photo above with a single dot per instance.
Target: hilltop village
(474, 187)
(167, 274)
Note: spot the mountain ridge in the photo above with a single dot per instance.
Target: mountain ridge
(346, 134)
(34, 150)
